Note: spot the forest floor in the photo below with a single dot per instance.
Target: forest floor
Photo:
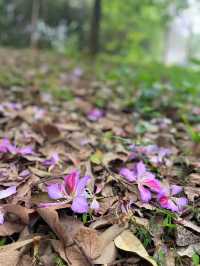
(136, 148)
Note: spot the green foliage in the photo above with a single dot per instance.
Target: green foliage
(59, 262)
(144, 236)
(195, 259)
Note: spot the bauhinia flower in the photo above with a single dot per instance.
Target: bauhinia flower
(95, 114)
(5, 194)
(167, 198)
(73, 189)
(145, 180)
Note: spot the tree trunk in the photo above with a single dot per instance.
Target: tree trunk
(34, 21)
(95, 28)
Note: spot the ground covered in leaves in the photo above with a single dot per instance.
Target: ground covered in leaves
(92, 173)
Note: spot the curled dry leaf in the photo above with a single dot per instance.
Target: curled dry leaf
(127, 241)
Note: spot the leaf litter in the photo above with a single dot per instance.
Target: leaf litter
(93, 185)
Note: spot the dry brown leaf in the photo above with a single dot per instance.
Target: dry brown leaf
(7, 229)
(108, 255)
(12, 258)
(192, 192)
(72, 254)
(50, 216)
(21, 212)
(127, 241)
(89, 241)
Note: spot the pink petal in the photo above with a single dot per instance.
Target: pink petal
(1, 217)
(82, 183)
(152, 183)
(167, 203)
(181, 202)
(95, 114)
(80, 205)
(28, 150)
(7, 192)
(94, 205)
(56, 191)
(175, 189)
(141, 169)
(145, 194)
(71, 181)
(128, 174)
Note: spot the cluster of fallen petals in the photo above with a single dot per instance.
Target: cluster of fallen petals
(7, 147)
(148, 184)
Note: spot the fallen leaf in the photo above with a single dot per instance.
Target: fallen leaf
(50, 216)
(127, 241)
(8, 228)
(89, 241)
(189, 250)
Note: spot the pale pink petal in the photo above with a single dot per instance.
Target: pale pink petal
(152, 183)
(145, 194)
(175, 189)
(28, 150)
(82, 183)
(95, 114)
(71, 181)
(51, 204)
(141, 169)
(80, 205)
(94, 205)
(128, 174)
(181, 202)
(56, 191)
(7, 192)
(1, 217)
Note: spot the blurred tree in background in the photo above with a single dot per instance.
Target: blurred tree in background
(134, 29)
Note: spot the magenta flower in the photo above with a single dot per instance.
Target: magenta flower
(5, 194)
(95, 114)
(52, 161)
(145, 180)
(73, 189)
(168, 201)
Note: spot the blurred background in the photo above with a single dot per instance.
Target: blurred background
(166, 31)
(146, 51)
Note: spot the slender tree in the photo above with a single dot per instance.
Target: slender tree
(95, 27)
(34, 21)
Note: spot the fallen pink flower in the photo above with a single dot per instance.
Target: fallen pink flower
(5, 194)
(73, 189)
(7, 147)
(95, 114)
(168, 201)
(143, 178)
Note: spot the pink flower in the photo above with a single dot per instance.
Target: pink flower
(73, 189)
(145, 180)
(5, 194)
(95, 114)
(168, 201)
(26, 150)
